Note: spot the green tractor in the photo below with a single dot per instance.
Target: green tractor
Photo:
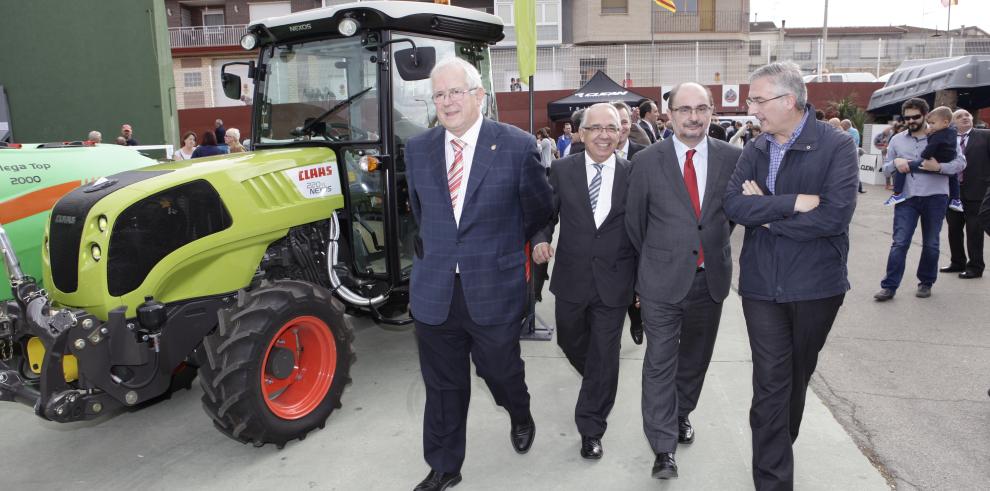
(242, 267)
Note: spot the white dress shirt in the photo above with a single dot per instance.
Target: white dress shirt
(604, 205)
(470, 140)
(624, 151)
(700, 161)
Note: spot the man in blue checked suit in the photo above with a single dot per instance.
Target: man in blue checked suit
(478, 192)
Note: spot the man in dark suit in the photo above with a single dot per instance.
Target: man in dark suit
(626, 149)
(478, 193)
(648, 116)
(594, 269)
(636, 133)
(975, 145)
(675, 220)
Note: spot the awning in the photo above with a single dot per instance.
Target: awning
(968, 75)
(599, 89)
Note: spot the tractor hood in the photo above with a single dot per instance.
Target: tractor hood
(183, 229)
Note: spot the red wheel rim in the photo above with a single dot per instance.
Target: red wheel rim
(315, 351)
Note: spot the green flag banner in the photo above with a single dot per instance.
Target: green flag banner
(524, 16)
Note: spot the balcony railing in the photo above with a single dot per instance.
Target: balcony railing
(204, 36)
(727, 21)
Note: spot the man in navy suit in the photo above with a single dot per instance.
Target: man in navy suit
(478, 192)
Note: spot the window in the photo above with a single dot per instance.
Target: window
(213, 17)
(755, 48)
(259, 11)
(686, 5)
(615, 6)
(589, 66)
(192, 79)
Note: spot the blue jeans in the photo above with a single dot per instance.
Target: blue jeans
(931, 211)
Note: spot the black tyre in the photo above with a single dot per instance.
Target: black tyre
(277, 364)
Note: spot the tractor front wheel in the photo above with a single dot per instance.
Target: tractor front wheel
(277, 364)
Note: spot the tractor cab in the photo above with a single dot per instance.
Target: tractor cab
(355, 79)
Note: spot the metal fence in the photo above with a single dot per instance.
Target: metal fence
(199, 36)
(715, 62)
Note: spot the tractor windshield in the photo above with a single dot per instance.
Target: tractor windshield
(319, 90)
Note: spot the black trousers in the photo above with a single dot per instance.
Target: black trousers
(680, 339)
(444, 353)
(785, 339)
(589, 333)
(966, 224)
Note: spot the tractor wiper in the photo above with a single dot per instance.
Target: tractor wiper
(308, 127)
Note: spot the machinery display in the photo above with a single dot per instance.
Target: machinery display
(240, 268)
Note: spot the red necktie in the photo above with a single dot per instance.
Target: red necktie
(456, 171)
(691, 182)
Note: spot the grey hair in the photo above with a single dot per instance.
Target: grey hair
(615, 112)
(234, 132)
(94, 135)
(471, 74)
(785, 75)
(619, 105)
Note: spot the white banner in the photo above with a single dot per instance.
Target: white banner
(730, 96)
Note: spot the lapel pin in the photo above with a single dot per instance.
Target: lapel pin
(809, 147)
(493, 147)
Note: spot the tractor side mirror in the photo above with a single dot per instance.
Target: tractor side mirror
(231, 82)
(415, 63)
(231, 85)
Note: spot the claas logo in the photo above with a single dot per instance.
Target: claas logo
(323, 171)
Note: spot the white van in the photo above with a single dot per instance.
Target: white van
(841, 77)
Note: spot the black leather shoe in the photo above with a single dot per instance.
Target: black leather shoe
(924, 291)
(952, 268)
(968, 275)
(636, 331)
(685, 432)
(591, 448)
(665, 467)
(522, 435)
(884, 295)
(438, 481)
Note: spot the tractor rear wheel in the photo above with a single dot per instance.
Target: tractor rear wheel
(277, 364)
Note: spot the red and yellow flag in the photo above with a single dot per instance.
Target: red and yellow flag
(667, 4)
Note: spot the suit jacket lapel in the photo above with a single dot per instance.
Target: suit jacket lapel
(579, 174)
(484, 155)
(618, 190)
(438, 163)
(672, 171)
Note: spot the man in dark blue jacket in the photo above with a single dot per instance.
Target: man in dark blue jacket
(478, 192)
(794, 190)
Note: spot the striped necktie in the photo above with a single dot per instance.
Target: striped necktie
(456, 172)
(595, 187)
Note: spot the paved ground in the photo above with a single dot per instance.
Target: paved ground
(374, 441)
(909, 378)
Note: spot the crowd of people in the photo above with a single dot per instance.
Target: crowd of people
(217, 141)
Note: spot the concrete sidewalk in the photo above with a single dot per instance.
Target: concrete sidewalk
(374, 441)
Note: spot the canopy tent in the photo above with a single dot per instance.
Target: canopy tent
(599, 89)
(969, 76)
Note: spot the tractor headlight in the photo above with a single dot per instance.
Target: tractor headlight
(96, 252)
(347, 26)
(101, 223)
(249, 41)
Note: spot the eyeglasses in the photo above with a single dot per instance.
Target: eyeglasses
(759, 101)
(455, 94)
(688, 110)
(598, 129)
(911, 117)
